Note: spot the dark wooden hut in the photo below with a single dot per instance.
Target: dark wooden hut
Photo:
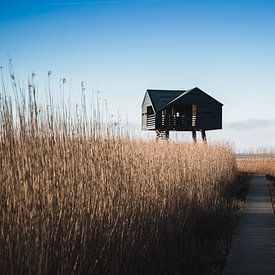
(180, 110)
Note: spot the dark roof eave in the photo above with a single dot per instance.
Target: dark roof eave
(156, 109)
(185, 92)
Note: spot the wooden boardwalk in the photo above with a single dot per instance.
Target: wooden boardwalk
(253, 246)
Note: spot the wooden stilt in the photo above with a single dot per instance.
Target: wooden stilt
(166, 134)
(203, 136)
(194, 136)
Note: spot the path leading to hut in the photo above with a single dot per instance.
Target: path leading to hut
(252, 250)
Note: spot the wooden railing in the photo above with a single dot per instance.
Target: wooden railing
(170, 120)
(151, 119)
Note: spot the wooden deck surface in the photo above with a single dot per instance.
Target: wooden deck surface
(252, 249)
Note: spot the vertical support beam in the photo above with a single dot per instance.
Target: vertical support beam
(194, 136)
(166, 134)
(203, 136)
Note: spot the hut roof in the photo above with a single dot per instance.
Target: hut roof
(163, 98)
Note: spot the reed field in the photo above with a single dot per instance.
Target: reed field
(78, 196)
(264, 163)
(259, 163)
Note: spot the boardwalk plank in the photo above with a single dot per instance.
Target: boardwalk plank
(252, 250)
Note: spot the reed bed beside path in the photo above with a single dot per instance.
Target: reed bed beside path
(262, 163)
(75, 198)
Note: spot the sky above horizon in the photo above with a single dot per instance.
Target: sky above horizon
(123, 47)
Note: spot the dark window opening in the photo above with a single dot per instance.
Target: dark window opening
(150, 110)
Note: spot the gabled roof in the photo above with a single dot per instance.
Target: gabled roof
(163, 98)
(194, 90)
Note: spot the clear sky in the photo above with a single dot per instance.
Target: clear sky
(123, 47)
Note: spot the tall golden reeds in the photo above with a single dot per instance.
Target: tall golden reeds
(262, 162)
(258, 163)
(78, 197)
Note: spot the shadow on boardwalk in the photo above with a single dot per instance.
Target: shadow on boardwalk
(253, 246)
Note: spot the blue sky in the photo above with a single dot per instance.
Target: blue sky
(121, 48)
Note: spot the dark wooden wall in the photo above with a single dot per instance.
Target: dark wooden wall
(209, 113)
(210, 118)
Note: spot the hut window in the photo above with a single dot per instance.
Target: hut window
(150, 110)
